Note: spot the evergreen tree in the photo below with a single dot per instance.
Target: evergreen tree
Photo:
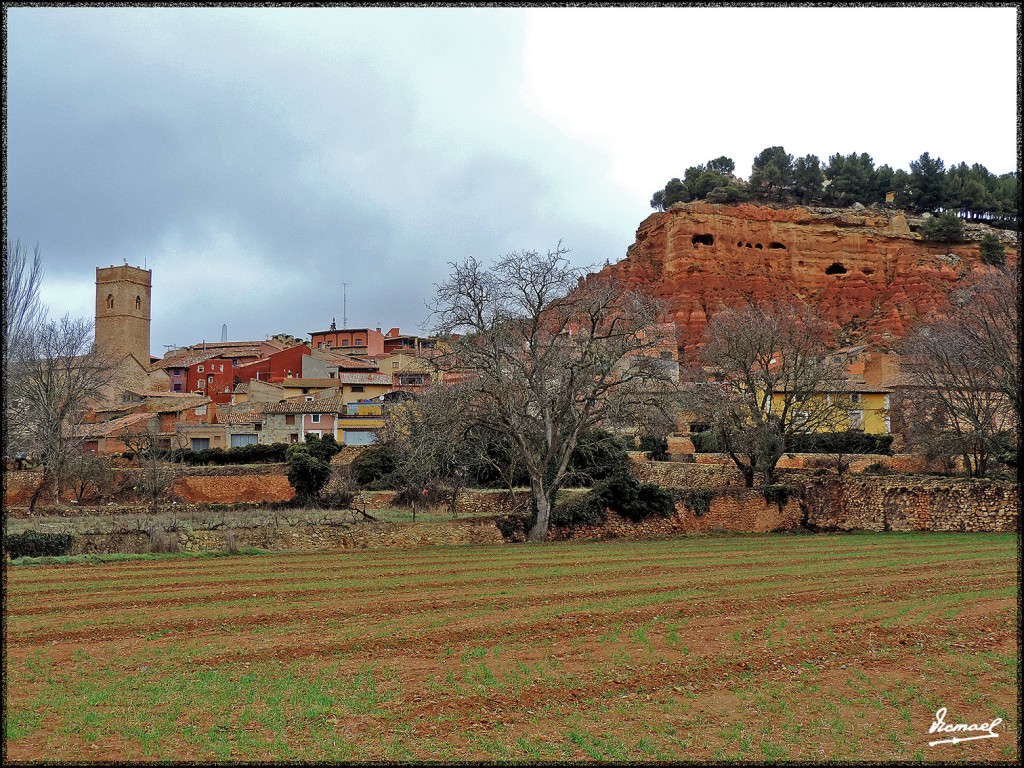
(772, 172)
(927, 183)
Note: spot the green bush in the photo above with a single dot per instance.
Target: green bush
(945, 228)
(374, 465)
(243, 454)
(655, 447)
(584, 509)
(698, 500)
(779, 494)
(992, 250)
(635, 500)
(705, 442)
(307, 473)
(840, 442)
(38, 544)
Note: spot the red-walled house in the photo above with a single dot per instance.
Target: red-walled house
(351, 341)
(275, 368)
(395, 341)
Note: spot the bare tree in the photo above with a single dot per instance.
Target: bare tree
(765, 377)
(546, 354)
(961, 393)
(155, 473)
(89, 474)
(60, 375)
(23, 315)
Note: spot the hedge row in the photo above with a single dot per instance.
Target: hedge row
(38, 544)
(819, 442)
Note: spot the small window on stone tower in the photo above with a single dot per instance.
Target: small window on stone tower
(138, 302)
(110, 301)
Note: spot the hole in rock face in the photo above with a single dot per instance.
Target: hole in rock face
(836, 269)
(747, 245)
(799, 263)
(759, 247)
(776, 247)
(703, 240)
(739, 244)
(868, 271)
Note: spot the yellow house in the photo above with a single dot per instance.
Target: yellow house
(863, 402)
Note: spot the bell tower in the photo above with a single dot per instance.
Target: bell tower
(123, 311)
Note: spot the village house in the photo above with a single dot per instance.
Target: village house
(365, 342)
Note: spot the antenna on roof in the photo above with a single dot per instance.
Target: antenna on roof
(344, 305)
(224, 332)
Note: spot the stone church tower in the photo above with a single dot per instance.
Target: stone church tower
(123, 311)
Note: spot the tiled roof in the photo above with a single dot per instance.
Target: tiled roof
(158, 393)
(176, 406)
(319, 405)
(310, 383)
(184, 361)
(242, 387)
(365, 378)
(114, 426)
(245, 417)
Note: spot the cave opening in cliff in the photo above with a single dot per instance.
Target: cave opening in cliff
(776, 247)
(702, 240)
(759, 247)
(836, 269)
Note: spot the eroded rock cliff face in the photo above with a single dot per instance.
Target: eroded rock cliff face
(867, 271)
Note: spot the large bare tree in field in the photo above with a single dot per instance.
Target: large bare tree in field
(60, 375)
(763, 377)
(962, 393)
(23, 314)
(545, 354)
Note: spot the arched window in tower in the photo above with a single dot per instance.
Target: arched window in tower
(110, 301)
(138, 303)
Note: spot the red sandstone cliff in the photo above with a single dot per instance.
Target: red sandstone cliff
(867, 271)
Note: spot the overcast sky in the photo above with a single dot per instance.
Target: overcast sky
(258, 158)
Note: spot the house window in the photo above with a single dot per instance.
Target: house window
(110, 301)
(210, 378)
(315, 418)
(359, 342)
(201, 383)
(200, 443)
(313, 432)
(258, 426)
(309, 399)
(344, 342)
(855, 397)
(289, 419)
(357, 388)
(177, 386)
(856, 419)
(293, 437)
(237, 441)
(201, 410)
(394, 364)
(200, 369)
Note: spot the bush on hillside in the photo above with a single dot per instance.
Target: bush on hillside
(38, 544)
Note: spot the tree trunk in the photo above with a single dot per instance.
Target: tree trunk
(539, 532)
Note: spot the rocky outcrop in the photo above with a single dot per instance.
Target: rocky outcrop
(867, 271)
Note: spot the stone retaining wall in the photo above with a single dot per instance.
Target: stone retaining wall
(910, 504)
(739, 510)
(303, 538)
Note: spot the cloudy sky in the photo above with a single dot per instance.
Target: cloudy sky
(257, 159)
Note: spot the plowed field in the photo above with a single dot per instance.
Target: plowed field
(759, 647)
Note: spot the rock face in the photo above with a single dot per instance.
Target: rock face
(867, 271)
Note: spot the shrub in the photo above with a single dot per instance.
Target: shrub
(779, 494)
(307, 474)
(945, 228)
(705, 442)
(698, 500)
(992, 250)
(374, 465)
(656, 447)
(38, 544)
(635, 500)
(408, 495)
(840, 442)
(584, 509)
(515, 525)
(877, 468)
